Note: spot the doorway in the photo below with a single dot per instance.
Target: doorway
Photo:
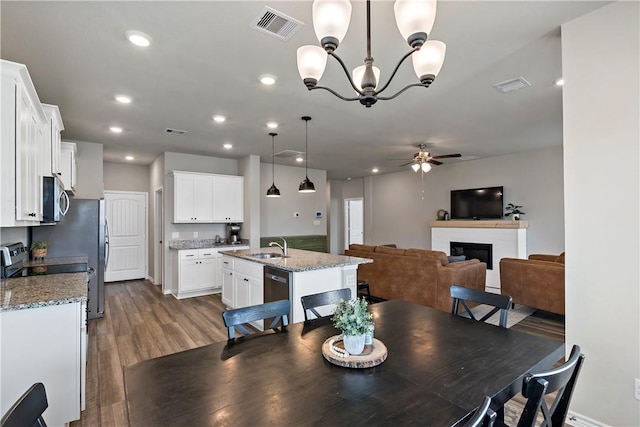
(354, 221)
(158, 236)
(126, 213)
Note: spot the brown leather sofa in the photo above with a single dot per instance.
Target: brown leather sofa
(416, 275)
(536, 282)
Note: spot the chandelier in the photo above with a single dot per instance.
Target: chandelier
(331, 18)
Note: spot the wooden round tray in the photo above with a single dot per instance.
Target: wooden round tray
(373, 355)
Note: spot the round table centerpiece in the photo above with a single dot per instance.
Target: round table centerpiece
(354, 320)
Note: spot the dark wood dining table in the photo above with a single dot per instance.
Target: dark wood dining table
(438, 369)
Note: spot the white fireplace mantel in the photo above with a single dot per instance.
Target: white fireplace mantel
(508, 238)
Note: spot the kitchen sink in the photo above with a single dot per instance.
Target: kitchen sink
(267, 255)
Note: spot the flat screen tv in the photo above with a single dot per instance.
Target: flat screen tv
(477, 203)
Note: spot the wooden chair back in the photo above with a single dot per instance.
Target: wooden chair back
(27, 411)
(561, 379)
(484, 416)
(311, 302)
(461, 295)
(237, 318)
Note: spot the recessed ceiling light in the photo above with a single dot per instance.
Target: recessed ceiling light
(219, 119)
(228, 146)
(559, 82)
(375, 170)
(349, 179)
(299, 159)
(268, 79)
(129, 158)
(115, 129)
(272, 125)
(138, 38)
(123, 99)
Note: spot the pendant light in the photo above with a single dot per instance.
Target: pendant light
(273, 190)
(306, 186)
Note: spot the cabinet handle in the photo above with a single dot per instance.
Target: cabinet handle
(189, 255)
(206, 254)
(246, 280)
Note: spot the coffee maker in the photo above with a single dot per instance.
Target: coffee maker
(233, 233)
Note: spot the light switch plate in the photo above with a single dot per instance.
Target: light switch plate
(195, 234)
(316, 222)
(175, 235)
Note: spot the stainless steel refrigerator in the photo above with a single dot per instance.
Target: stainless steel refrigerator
(83, 231)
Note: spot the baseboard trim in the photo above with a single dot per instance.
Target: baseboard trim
(578, 420)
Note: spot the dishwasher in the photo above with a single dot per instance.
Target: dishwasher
(277, 286)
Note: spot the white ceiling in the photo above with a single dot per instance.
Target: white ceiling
(205, 60)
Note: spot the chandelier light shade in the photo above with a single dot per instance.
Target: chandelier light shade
(273, 190)
(414, 18)
(306, 186)
(415, 167)
(426, 167)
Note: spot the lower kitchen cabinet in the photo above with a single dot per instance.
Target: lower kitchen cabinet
(47, 345)
(242, 284)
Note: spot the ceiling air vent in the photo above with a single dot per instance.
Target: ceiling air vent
(175, 131)
(276, 24)
(512, 84)
(287, 154)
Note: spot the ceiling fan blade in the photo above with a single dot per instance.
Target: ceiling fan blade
(406, 164)
(434, 162)
(446, 156)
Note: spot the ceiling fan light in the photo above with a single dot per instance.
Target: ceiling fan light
(312, 61)
(358, 74)
(414, 17)
(331, 20)
(415, 167)
(428, 61)
(426, 167)
(306, 186)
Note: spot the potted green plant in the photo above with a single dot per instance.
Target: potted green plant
(354, 320)
(39, 249)
(514, 210)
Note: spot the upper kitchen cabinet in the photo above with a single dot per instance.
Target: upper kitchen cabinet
(207, 198)
(228, 198)
(23, 140)
(68, 166)
(51, 154)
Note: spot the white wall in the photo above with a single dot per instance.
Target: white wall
(249, 167)
(126, 177)
(396, 213)
(90, 171)
(277, 212)
(601, 110)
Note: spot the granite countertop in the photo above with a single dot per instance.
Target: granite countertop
(20, 293)
(57, 261)
(202, 244)
(298, 260)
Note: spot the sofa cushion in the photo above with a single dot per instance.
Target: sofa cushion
(361, 248)
(560, 258)
(427, 254)
(390, 251)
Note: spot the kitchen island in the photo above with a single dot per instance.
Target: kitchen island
(309, 273)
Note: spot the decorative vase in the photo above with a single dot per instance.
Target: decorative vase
(354, 344)
(39, 253)
(516, 217)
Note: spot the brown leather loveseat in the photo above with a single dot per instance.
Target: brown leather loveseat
(416, 275)
(537, 282)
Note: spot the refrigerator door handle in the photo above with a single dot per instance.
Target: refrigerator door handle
(106, 244)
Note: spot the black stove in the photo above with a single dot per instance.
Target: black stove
(50, 269)
(15, 255)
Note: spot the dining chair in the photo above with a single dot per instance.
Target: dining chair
(461, 294)
(536, 385)
(237, 318)
(311, 302)
(484, 416)
(27, 411)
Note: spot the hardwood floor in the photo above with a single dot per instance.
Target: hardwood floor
(140, 323)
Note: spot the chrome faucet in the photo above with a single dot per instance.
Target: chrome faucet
(284, 249)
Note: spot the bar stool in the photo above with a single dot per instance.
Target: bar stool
(363, 290)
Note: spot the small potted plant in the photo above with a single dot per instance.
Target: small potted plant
(354, 320)
(39, 249)
(514, 210)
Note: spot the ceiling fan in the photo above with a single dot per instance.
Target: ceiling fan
(423, 160)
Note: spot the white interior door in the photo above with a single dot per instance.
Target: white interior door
(126, 214)
(354, 221)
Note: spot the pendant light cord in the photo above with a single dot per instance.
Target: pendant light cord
(273, 159)
(306, 147)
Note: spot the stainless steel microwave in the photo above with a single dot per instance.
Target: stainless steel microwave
(55, 201)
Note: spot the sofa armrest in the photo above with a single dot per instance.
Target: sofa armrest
(463, 264)
(470, 274)
(543, 257)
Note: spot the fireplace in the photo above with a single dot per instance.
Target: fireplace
(481, 251)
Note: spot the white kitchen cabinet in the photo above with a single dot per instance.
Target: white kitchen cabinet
(68, 165)
(51, 153)
(193, 197)
(242, 284)
(196, 272)
(228, 201)
(228, 282)
(44, 345)
(22, 140)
